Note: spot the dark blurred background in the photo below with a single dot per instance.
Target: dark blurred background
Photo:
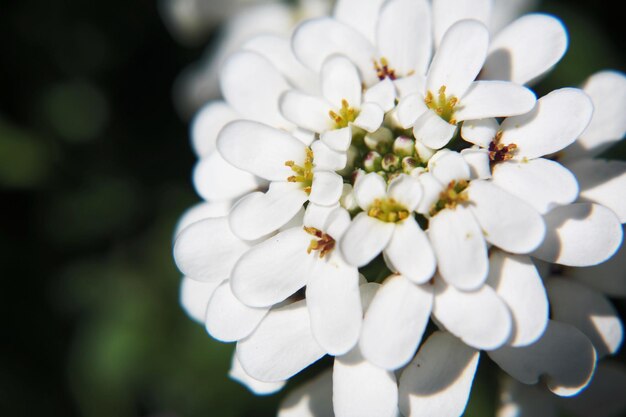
(95, 168)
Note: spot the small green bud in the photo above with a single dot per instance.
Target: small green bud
(372, 161)
(391, 162)
(380, 141)
(408, 164)
(404, 146)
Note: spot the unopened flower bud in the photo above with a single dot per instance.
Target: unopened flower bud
(404, 146)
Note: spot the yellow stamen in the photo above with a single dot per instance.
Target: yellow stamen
(322, 242)
(388, 210)
(444, 106)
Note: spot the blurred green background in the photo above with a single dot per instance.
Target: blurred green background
(95, 170)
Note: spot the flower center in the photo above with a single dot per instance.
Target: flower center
(322, 242)
(442, 105)
(304, 174)
(499, 152)
(346, 115)
(450, 197)
(383, 70)
(388, 210)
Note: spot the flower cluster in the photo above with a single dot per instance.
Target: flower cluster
(384, 187)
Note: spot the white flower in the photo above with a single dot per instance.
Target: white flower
(385, 41)
(451, 95)
(290, 167)
(342, 105)
(344, 179)
(465, 214)
(306, 256)
(516, 148)
(387, 225)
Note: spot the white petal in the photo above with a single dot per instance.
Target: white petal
(369, 188)
(361, 16)
(432, 189)
(306, 111)
(480, 318)
(607, 277)
(334, 303)
(237, 373)
(315, 40)
(432, 130)
(448, 12)
(478, 162)
(495, 99)
(410, 253)
(202, 257)
(207, 123)
(459, 58)
(603, 397)
(281, 346)
(450, 166)
(383, 94)
(370, 117)
(518, 283)
(338, 222)
(365, 239)
(274, 269)
(507, 221)
(217, 180)
(194, 297)
(228, 319)
(607, 90)
(460, 248)
(404, 35)
(411, 84)
(340, 81)
(258, 214)
(480, 132)
(438, 381)
(555, 122)
(368, 292)
(327, 159)
(277, 49)
(337, 139)
(312, 399)
(201, 211)
(604, 182)
(589, 311)
(564, 355)
(303, 135)
(542, 183)
(405, 190)
(362, 389)
(326, 188)
(252, 86)
(580, 234)
(395, 321)
(409, 109)
(526, 49)
(317, 216)
(260, 149)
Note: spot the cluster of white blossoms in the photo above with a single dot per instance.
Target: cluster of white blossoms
(384, 188)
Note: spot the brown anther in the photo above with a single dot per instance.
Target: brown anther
(324, 243)
(499, 152)
(451, 196)
(383, 71)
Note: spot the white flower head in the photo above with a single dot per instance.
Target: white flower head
(389, 201)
